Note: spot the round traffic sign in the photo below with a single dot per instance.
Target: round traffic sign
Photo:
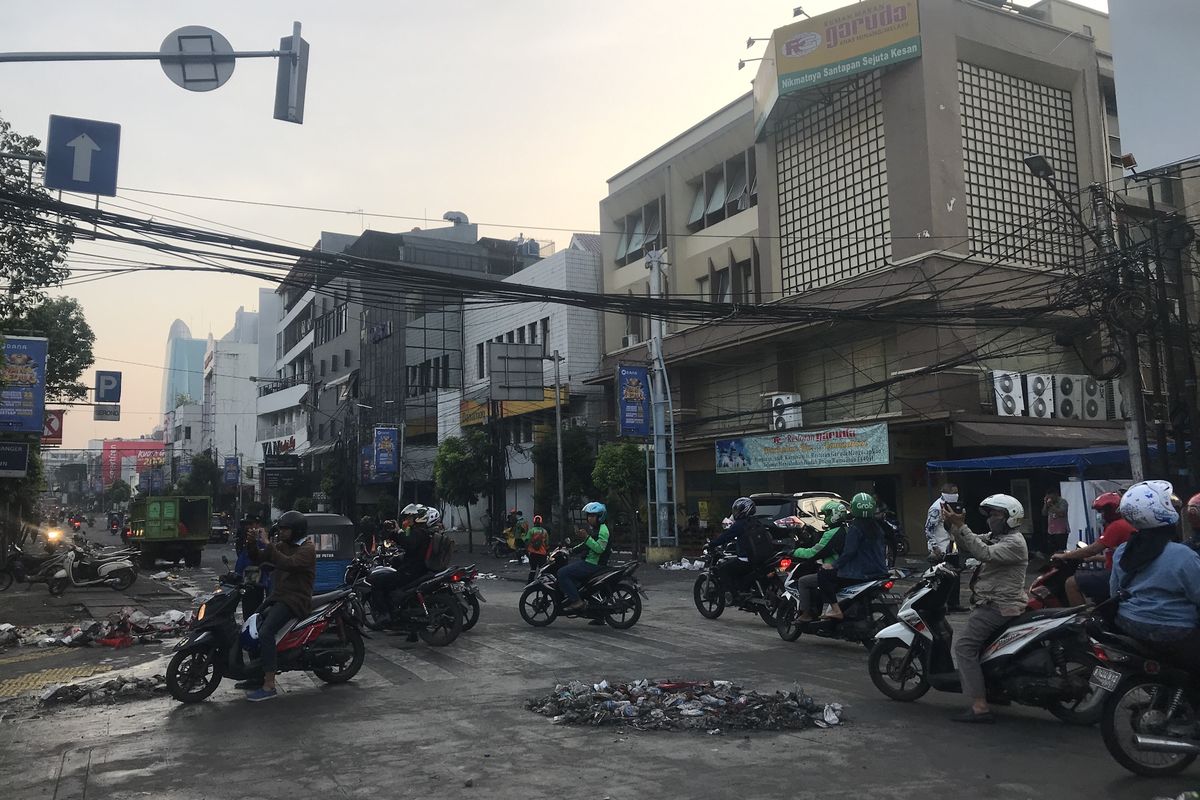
(197, 74)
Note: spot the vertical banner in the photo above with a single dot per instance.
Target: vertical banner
(232, 470)
(633, 401)
(23, 383)
(386, 449)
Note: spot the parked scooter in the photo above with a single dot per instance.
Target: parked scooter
(80, 569)
(29, 568)
(1040, 658)
(867, 608)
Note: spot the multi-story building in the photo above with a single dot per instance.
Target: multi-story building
(875, 197)
(183, 375)
(181, 435)
(228, 411)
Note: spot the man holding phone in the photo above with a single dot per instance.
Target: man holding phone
(941, 546)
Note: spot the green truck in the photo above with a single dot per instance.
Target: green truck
(170, 528)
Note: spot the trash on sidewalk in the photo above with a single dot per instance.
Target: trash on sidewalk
(711, 706)
(120, 629)
(110, 691)
(159, 576)
(682, 564)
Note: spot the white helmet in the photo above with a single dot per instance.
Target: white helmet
(433, 517)
(421, 515)
(1148, 505)
(1010, 505)
(410, 510)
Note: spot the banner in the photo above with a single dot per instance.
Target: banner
(823, 449)
(367, 473)
(22, 384)
(14, 459)
(117, 453)
(157, 481)
(52, 428)
(633, 401)
(232, 470)
(387, 455)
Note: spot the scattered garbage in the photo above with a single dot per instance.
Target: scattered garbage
(118, 689)
(710, 706)
(683, 564)
(121, 629)
(487, 576)
(1190, 795)
(159, 576)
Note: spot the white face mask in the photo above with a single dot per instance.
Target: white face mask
(949, 498)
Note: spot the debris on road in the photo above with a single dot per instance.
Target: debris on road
(119, 689)
(121, 629)
(682, 564)
(712, 706)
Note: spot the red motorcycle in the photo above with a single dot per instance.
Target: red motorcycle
(1049, 589)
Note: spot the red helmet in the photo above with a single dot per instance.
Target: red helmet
(1193, 511)
(1108, 502)
(537, 519)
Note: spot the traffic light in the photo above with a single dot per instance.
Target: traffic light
(292, 77)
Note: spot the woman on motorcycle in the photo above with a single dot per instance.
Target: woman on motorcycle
(1160, 576)
(570, 576)
(863, 555)
(826, 550)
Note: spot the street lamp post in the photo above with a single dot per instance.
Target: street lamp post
(558, 434)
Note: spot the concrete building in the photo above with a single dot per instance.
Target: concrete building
(182, 437)
(891, 185)
(228, 411)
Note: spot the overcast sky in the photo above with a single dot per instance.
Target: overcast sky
(513, 112)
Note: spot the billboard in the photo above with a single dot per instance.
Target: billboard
(821, 449)
(633, 401)
(14, 459)
(858, 38)
(115, 453)
(22, 383)
(366, 472)
(52, 428)
(387, 444)
(232, 470)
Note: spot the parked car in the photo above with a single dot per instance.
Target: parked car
(219, 531)
(778, 511)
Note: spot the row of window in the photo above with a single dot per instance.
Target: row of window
(428, 376)
(183, 433)
(533, 333)
(335, 363)
(331, 325)
(641, 231)
(724, 190)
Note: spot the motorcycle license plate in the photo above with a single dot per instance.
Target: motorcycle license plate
(1106, 679)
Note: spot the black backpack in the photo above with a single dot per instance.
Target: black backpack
(757, 542)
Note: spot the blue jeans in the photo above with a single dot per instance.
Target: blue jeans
(570, 576)
(269, 623)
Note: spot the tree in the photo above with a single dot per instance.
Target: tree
(33, 245)
(119, 492)
(620, 474)
(205, 478)
(579, 459)
(61, 320)
(460, 472)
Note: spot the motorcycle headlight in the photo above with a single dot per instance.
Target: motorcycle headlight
(200, 613)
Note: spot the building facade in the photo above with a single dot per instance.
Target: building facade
(229, 407)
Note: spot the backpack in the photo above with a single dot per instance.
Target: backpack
(757, 542)
(439, 551)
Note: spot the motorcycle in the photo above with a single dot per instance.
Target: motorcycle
(761, 596)
(1040, 658)
(1049, 588)
(29, 568)
(1150, 721)
(613, 595)
(80, 569)
(897, 542)
(327, 643)
(431, 609)
(462, 582)
(867, 608)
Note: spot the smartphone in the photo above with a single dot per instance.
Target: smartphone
(957, 508)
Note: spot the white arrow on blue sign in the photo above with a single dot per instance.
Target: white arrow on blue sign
(108, 387)
(82, 155)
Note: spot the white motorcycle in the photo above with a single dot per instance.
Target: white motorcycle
(79, 569)
(1040, 658)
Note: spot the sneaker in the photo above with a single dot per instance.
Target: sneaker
(248, 685)
(258, 695)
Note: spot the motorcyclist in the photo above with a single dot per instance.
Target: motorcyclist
(538, 547)
(825, 550)
(941, 546)
(368, 529)
(1161, 578)
(863, 556)
(596, 543)
(517, 532)
(294, 560)
(997, 589)
(1093, 584)
(732, 572)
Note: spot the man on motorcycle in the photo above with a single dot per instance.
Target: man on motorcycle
(941, 546)
(826, 549)
(732, 573)
(1093, 584)
(863, 556)
(294, 560)
(596, 542)
(997, 589)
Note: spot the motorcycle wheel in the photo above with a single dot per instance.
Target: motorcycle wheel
(125, 579)
(786, 622)
(6, 579)
(770, 612)
(538, 606)
(1139, 707)
(58, 586)
(1081, 712)
(470, 613)
(626, 605)
(445, 620)
(349, 668)
(881, 617)
(884, 664)
(193, 675)
(707, 594)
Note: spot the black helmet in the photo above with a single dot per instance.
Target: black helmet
(294, 521)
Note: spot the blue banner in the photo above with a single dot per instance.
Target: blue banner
(232, 470)
(367, 473)
(23, 384)
(633, 401)
(185, 469)
(157, 481)
(387, 453)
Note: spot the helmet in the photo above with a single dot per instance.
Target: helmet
(537, 519)
(834, 513)
(294, 521)
(433, 516)
(862, 505)
(1108, 503)
(596, 508)
(743, 507)
(1011, 506)
(410, 510)
(1148, 505)
(421, 515)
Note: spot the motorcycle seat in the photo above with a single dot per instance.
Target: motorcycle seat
(1042, 613)
(328, 597)
(601, 576)
(1124, 642)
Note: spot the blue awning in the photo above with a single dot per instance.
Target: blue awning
(1079, 459)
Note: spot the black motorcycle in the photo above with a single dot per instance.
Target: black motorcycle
(429, 608)
(758, 593)
(29, 568)
(462, 582)
(612, 595)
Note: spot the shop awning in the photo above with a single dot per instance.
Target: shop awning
(972, 433)
(1079, 460)
(320, 449)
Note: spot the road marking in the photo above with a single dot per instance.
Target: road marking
(70, 783)
(29, 656)
(33, 681)
(411, 662)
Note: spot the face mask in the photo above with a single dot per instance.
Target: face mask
(997, 525)
(949, 498)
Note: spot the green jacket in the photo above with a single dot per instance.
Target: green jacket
(596, 544)
(825, 549)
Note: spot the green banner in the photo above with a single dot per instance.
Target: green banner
(831, 447)
(883, 57)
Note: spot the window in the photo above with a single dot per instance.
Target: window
(445, 383)
(722, 287)
(480, 363)
(702, 288)
(533, 333)
(510, 337)
(641, 231)
(521, 335)
(723, 190)
(322, 368)
(346, 359)
(545, 322)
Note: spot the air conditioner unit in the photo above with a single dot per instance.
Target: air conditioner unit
(1095, 406)
(1068, 396)
(1010, 395)
(1117, 406)
(784, 412)
(630, 339)
(1039, 392)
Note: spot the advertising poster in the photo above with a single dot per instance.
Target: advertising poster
(23, 384)
(232, 470)
(387, 450)
(822, 449)
(633, 400)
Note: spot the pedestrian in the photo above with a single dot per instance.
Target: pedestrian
(941, 546)
(1058, 527)
(538, 547)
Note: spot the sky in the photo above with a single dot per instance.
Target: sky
(515, 113)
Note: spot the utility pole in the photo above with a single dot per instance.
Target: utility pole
(238, 455)
(660, 393)
(558, 434)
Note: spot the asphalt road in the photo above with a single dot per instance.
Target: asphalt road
(425, 722)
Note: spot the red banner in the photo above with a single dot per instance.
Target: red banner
(116, 453)
(52, 428)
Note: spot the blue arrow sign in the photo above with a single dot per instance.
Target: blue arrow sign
(82, 154)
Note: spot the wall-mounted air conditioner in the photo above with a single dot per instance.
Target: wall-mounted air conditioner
(784, 412)
(1068, 396)
(1117, 406)
(1039, 393)
(1095, 406)
(1010, 395)
(630, 339)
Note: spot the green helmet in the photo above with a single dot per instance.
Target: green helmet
(862, 505)
(834, 513)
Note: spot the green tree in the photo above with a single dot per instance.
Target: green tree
(460, 472)
(60, 320)
(579, 459)
(33, 244)
(119, 492)
(620, 474)
(205, 478)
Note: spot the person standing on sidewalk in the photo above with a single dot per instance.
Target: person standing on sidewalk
(941, 546)
(1054, 509)
(997, 590)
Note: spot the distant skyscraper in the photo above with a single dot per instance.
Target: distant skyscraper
(184, 366)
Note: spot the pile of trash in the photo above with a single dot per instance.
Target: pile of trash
(710, 706)
(121, 629)
(683, 564)
(115, 690)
